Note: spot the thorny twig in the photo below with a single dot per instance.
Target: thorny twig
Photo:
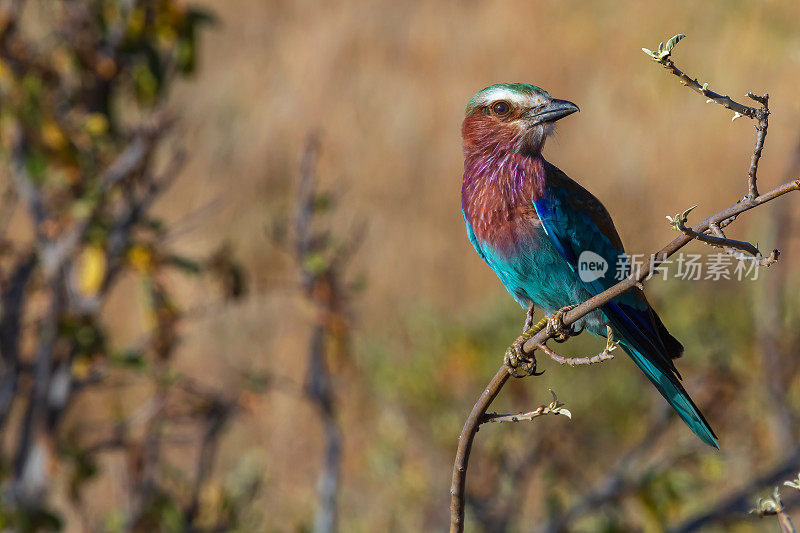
(762, 123)
(663, 56)
(719, 240)
(761, 115)
(605, 355)
(553, 408)
(733, 250)
(722, 219)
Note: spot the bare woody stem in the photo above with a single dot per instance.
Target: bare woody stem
(741, 250)
(719, 220)
(465, 441)
(605, 355)
(520, 417)
(722, 99)
(491, 391)
(762, 123)
(733, 250)
(718, 239)
(759, 114)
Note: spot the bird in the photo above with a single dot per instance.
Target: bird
(535, 226)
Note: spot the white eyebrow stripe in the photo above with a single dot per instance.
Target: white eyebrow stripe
(517, 98)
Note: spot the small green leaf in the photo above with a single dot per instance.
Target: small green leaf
(679, 220)
(663, 51)
(128, 358)
(672, 42)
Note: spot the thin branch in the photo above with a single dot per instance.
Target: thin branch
(762, 123)
(662, 56)
(731, 243)
(470, 429)
(553, 408)
(23, 182)
(759, 114)
(722, 218)
(740, 250)
(718, 240)
(305, 204)
(35, 422)
(217, 416)
(605, 355)
(768, 261)
(8, 203)
(465, 441)
(322, 287)
(55, 253)
(519, 417)
(11, 312)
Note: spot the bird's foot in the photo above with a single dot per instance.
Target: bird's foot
(529, 319)
(515, 357)
(556, 327)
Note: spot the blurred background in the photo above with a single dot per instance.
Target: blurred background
(237, 293)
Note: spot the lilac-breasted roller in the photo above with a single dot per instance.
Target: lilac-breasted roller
(536, 228)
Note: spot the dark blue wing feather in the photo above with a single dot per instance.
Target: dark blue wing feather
(576, 222)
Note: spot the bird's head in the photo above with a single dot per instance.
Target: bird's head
(513, 116)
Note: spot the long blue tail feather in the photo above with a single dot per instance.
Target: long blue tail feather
(671, 389)
(659, 369)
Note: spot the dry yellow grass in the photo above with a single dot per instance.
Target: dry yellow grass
(385, 82)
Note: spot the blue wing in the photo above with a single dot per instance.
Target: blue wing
(577, 223)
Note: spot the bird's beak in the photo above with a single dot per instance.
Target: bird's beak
(552, 111)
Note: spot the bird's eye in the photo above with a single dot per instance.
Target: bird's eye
(501, 109)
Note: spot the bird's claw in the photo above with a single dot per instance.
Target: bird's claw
(515, 357)
(516, 360)
(556, 327)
